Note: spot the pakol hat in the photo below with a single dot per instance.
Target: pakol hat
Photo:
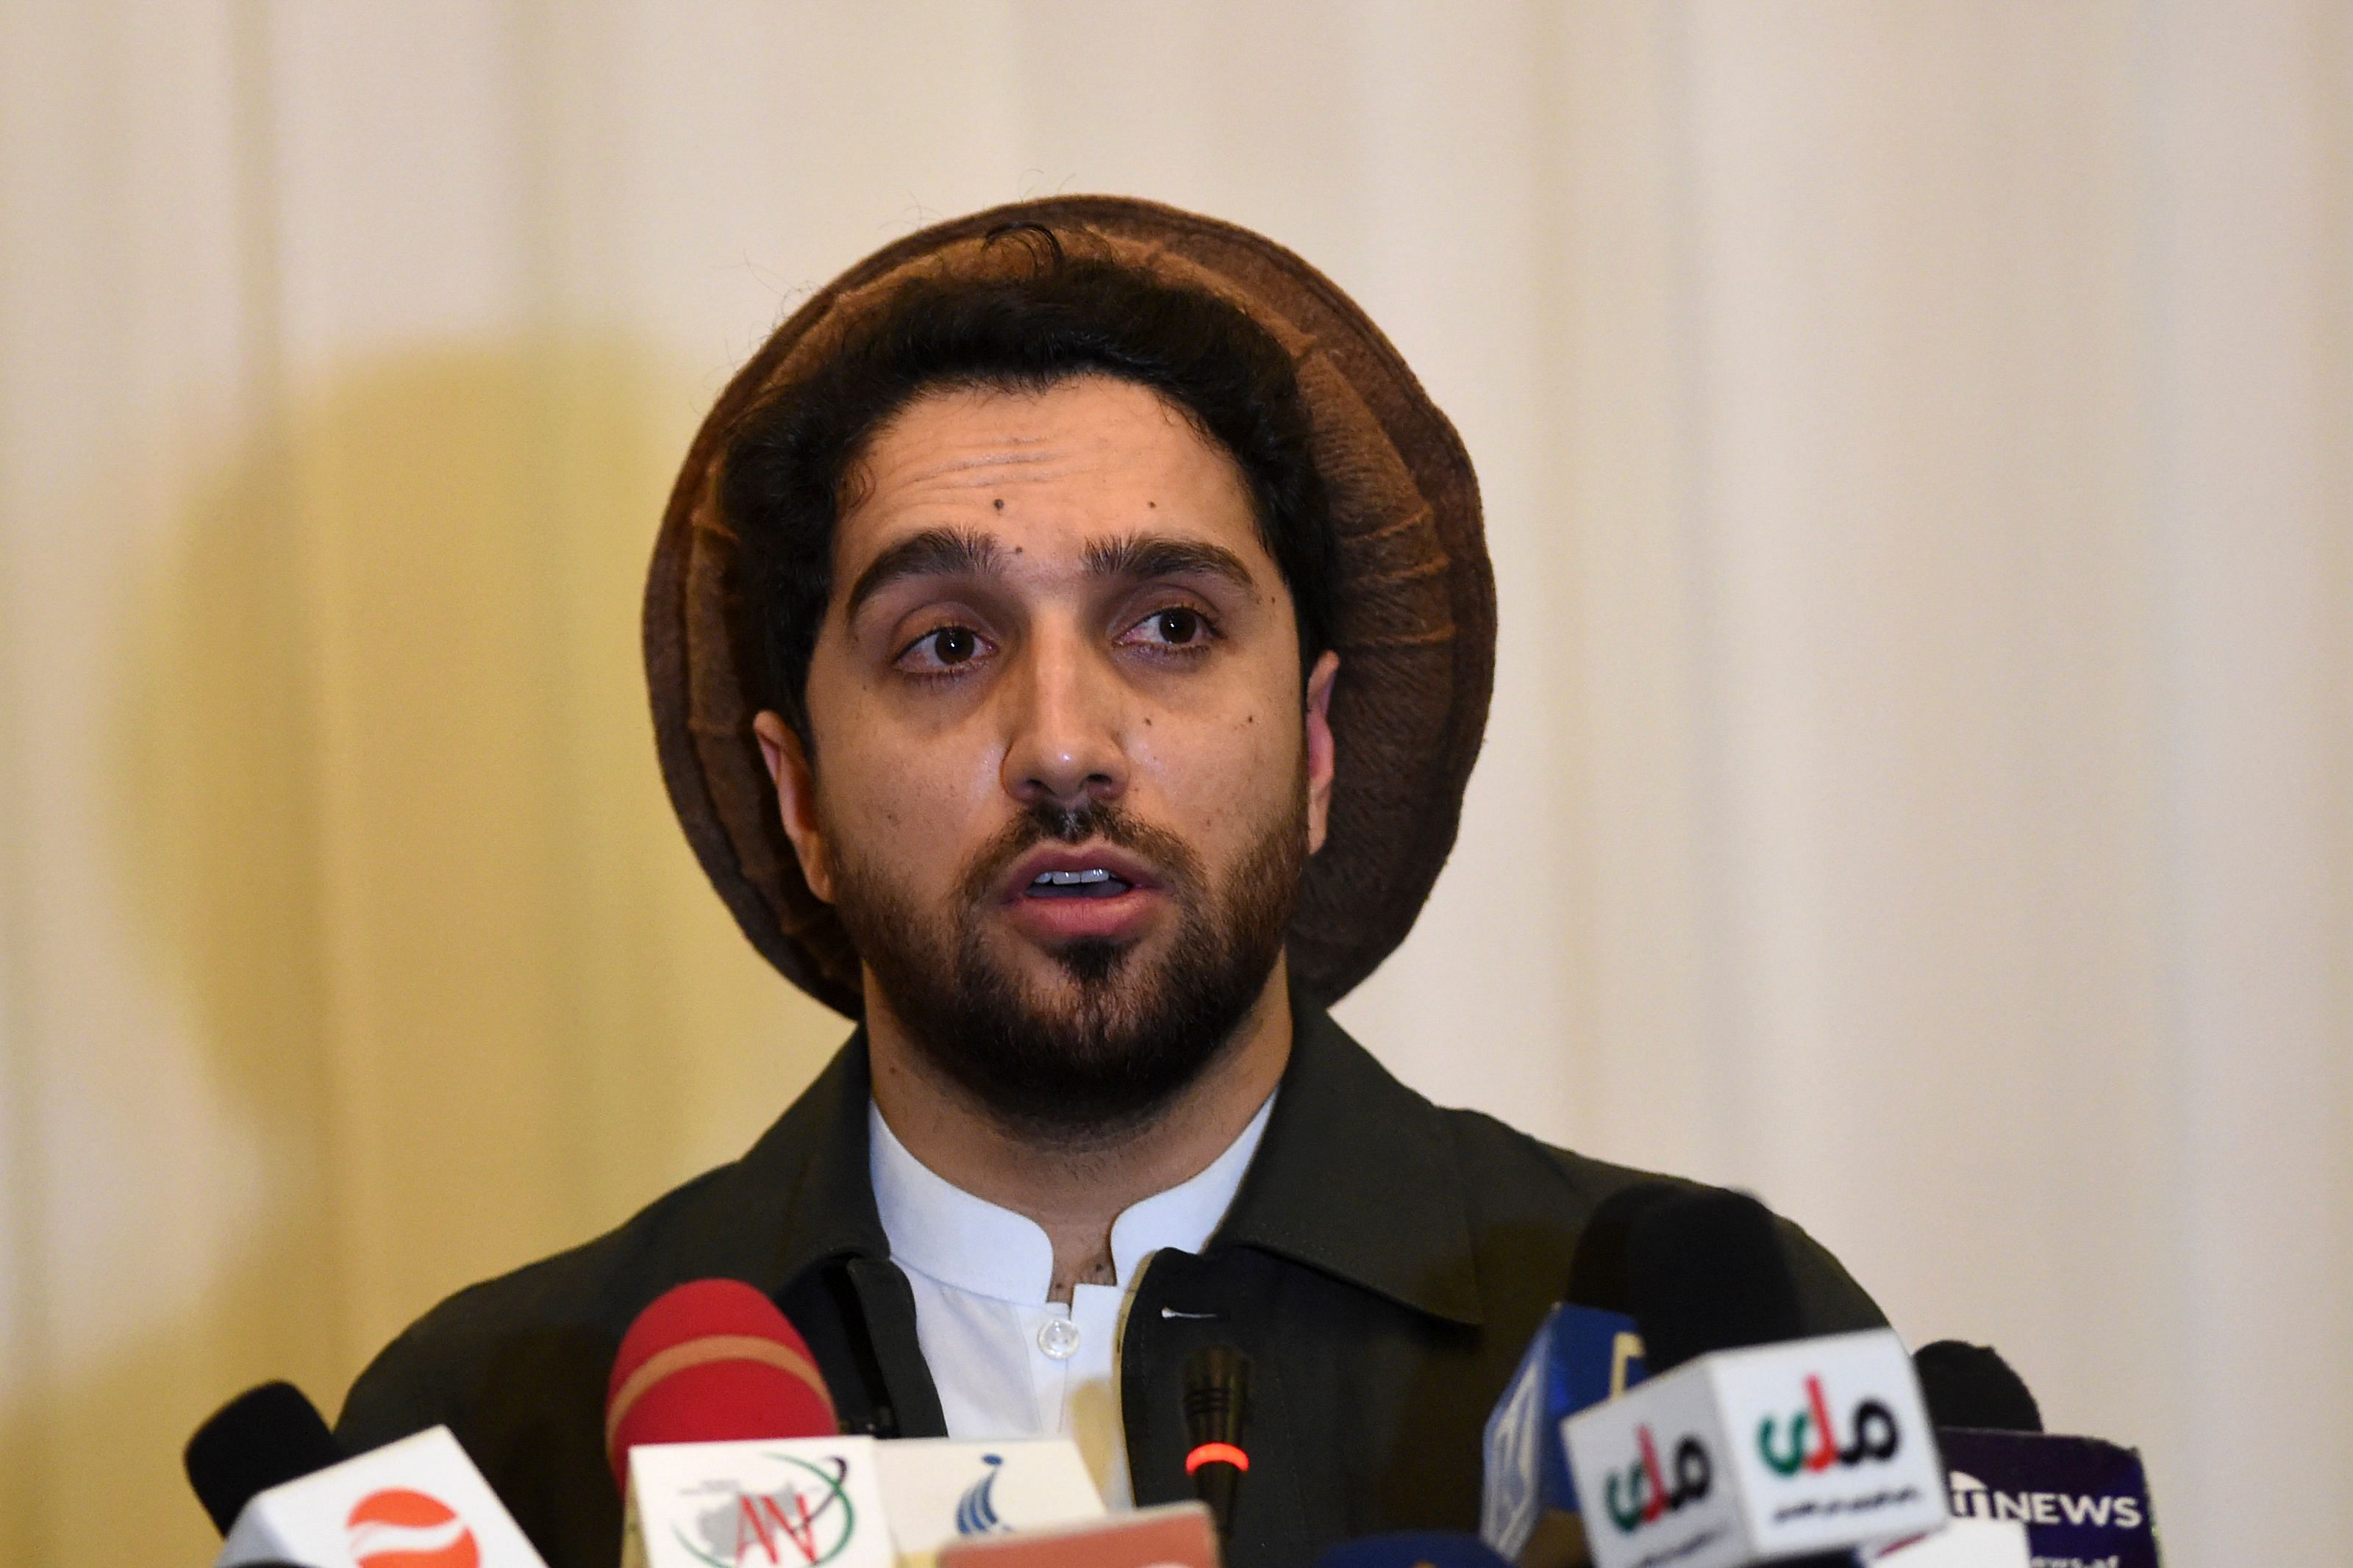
(1413, 611)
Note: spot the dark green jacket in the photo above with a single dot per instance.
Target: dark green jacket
(1384, 1265)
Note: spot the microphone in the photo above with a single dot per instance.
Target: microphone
(1413, 1549)
(2079, 1498)
(1217, 1406)
(723, 1436)
(266, 1463)
(1705, 1272)
(1587, 1349)
(1970, 1385)
(1597, 1273)
(708, 1362)
(1749, 1442)
(2076, 1498)
(264, 1438)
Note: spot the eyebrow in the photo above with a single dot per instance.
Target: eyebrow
(934, 552)
(1140, 556)
(956, 552)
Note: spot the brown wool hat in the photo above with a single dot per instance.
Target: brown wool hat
(1414, 601)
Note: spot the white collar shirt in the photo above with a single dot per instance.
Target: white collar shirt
(1007, 1361)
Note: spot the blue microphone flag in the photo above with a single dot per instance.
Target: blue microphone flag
(1579, 1357)
(2081, 1500)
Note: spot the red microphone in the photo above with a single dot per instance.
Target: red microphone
(712, 1361)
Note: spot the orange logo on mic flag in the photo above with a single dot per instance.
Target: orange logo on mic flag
(402, 1529)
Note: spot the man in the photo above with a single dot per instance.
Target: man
(1069, 639)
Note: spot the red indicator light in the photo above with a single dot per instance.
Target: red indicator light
(1216, 1453)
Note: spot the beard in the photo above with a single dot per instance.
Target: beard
(1100, 1055)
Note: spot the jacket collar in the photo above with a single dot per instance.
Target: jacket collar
(808, 1177)
(1358, 1178)
(1355, 1177)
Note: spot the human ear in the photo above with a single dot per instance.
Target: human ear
(1320, 755)
(796, 799)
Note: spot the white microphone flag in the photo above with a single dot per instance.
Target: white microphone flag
(1749, 1455)
(414, 1503)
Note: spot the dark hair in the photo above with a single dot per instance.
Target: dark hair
(788, 460)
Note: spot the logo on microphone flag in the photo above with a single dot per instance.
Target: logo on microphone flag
(789, 1503)
(975, 1511)
(805, 1521)
(941, 1491)
(397, 1528)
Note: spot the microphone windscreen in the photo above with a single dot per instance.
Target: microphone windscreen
(1597, 1273)
(1705, 1272)
(1970, 1385)
(712, 1361)
(264, 1438)
(1413, 1549)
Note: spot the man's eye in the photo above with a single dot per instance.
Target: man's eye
(1175, 626)
(943, 648)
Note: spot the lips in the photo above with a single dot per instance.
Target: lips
(1095, 882)
(1058, 894)
(1087, 872)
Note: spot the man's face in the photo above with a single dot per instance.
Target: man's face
(1065, 774)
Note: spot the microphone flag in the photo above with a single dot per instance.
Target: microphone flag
(1174, 1535)
(416, 1503)
(1740, 1455)
(1579, 1357)
(2081, 1500)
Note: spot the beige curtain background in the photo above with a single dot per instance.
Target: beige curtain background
(1918, 446)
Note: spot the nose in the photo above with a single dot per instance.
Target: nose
(1065, 717)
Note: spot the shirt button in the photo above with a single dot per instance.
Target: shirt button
(1059, 1339)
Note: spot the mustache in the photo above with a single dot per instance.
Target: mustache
(1048, 822)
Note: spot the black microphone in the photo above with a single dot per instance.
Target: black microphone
(1217, 1408)
(264, 1438)
(1970, 1385)
(1705, 1272)
(1596, 1271)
